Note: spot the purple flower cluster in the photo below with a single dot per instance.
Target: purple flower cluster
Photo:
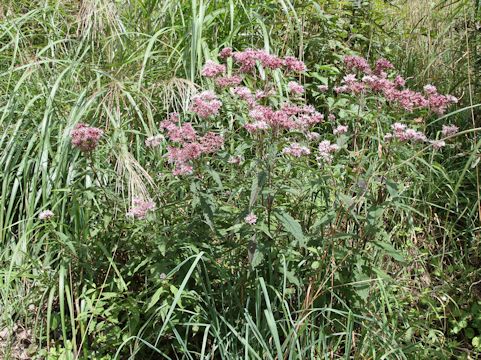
(296, 150)
(46, 215)
(140, 208)
(449, 130)
(377, 81)
(295, 88)
(289, 117)
(341, 129)
(247, 60)
(212, 69)
(251, 219)
(85, 138)
(326, 150)
(228, 81)
(189, 145)
(402, 133)
(206, 104)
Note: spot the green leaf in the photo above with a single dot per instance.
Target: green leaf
(292, 226)
(155, 298)
(390, 250)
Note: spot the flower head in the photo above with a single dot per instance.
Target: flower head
(449, 130)
(295, 87)
(212, 69)
(250, 219)
(206, 104)
(341, 129)
(225, 53)
(296, 150)
(85, 138)
(438, 144)
(46, 215)
(140, 208)
(325, 151)
(293, 64)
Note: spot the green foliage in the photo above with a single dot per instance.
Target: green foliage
(373, 256)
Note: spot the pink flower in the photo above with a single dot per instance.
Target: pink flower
(341, 89)
(140, 208)
(323, 88)
(293, 64)
(227, 81)
(211, 143)
(206, 104)
(269, 61)
(331, 117)
(225, 53)
(357, 63)
(212, 69)
(180, 134)
(430, 89)
(449, 130)
(325, 151)
(256, 126)
(250, 219)
(85, 138)
(246, 59)
(295, 87)
(399, 81)
(382, 65)
(46, 215)
(244, 93)
(403, 133)
(341, 129)
(296, 150)
(154, 141)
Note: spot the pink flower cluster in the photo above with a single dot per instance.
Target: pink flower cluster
(190, 145)
(206, 104)
(86, 138)
(326, 150)
(392, 90)
(46, 215)
(449, 130)
(357, 63)
(228, 81)
(248, 59)
(295, 88)
(296, 150)
(251, 219)
(140, 208)
(341, 129)
(289, 117)
(402, 133)
(212, 69)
